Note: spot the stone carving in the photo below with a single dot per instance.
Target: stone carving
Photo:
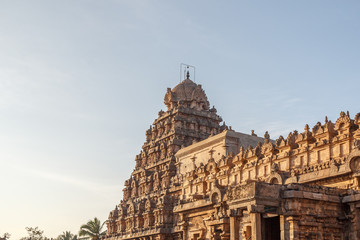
(240, 192)
(193, 172)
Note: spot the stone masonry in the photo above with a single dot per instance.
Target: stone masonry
(198, 179)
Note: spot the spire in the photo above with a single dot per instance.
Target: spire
(267, 137)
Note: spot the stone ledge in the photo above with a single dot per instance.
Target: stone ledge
(351, 198)
(312, 196)
(192, 205)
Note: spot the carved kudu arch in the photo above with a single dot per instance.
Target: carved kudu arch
(216, 195)
(275, 178)
(353, 161)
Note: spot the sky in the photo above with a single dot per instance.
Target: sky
(81, 81)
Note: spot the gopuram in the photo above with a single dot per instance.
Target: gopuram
(197, 179)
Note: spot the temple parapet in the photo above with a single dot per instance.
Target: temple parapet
(197, 179)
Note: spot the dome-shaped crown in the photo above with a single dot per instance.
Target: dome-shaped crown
(184, 90)
(187, 92)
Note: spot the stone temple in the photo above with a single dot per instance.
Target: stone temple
(198, 179)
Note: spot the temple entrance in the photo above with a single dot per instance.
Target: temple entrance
(271, 228)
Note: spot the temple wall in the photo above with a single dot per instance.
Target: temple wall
(197, 180)
(214, 147)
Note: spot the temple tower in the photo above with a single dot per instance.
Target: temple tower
(197, 180)
(147, 202)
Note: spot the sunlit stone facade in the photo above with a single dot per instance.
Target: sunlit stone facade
(197, 179)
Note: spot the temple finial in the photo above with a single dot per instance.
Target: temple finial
(187, 75)
(267, 135)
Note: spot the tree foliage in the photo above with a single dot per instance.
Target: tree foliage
(34, 234)
(5, 236)
(92, 229)
(67, 235)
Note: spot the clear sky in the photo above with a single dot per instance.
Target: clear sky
(81, 81)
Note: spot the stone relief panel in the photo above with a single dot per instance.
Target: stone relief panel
(211, 175)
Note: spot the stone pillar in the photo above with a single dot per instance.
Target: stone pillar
(353, 202)
(294, 228)
(184, 232)
(354, 222)
(255, 226)
(282, 227)
(234, 228)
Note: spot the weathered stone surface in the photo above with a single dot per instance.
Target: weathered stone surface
(197, 179)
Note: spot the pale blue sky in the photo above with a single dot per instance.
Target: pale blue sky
(81, 81)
